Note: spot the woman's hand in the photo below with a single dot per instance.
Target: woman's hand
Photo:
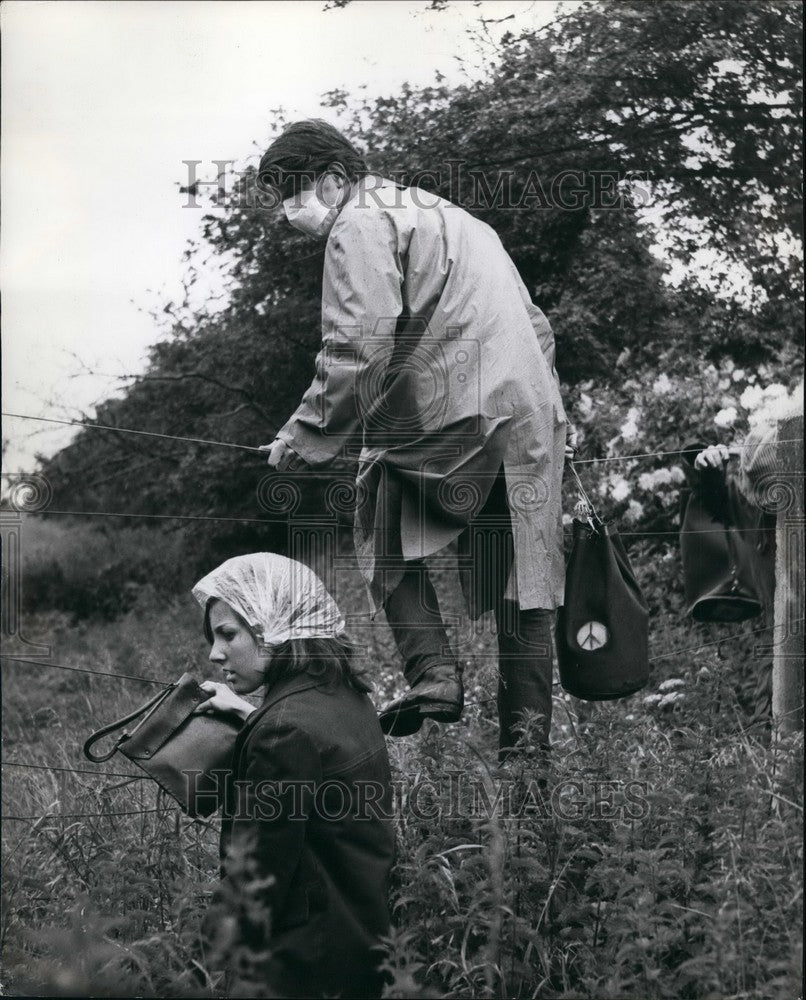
(223, 699)
(715, 457)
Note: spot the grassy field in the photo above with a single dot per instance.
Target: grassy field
(661, 856)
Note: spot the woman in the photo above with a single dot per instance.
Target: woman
(306, 837)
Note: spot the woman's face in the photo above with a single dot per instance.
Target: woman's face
(234, 649)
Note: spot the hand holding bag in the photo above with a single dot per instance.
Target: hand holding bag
(717, 571)
(718, 577)
(603, 627)
(188, 755)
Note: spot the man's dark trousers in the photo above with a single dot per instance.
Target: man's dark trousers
(524, 636)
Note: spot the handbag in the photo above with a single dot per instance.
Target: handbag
(718, 579)
(603, 626)
(188, 755)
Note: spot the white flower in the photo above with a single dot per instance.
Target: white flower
(651, 480)
(775, 391)
(777, 405)
(585, 405)
(620, 489)
(724, 383)
(726, 417)
(738, 375)
(634, 512)
(662, 384)
(678, 476)
(671, 684)
(652, 699)
(567, 519)
(629, 429)
(751, 397)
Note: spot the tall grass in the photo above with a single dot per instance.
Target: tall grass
(685, 883)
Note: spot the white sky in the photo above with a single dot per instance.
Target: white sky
(101, 103)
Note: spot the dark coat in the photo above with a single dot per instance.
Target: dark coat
(326, 840)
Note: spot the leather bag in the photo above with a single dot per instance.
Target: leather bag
(717, 567)
(603, 626)
(188, 755)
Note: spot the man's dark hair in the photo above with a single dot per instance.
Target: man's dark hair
(304, 150)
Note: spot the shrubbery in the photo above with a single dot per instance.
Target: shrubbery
(95, 573)
(692, 893)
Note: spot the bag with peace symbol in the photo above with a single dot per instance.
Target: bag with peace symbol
(603, 627)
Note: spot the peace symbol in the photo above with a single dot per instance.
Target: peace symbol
(592, 635)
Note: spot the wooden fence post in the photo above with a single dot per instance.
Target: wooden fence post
(788, 662)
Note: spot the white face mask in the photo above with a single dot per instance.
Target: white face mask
(308, 214)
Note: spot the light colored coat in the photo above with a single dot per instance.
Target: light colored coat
(436, 364)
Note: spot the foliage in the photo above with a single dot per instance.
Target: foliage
(693, 105)
(661, 409)
(698, 897)
(657, 855)
(94, 572)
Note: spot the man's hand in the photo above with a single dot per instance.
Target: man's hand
(715, 457)
(223, 699)
(281, 457)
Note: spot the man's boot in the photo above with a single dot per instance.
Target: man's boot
(436, 693)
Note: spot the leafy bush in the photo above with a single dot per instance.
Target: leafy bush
(94, 572)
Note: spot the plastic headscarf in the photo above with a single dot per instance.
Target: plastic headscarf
(278, 597)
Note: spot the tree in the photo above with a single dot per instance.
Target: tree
(556, 148)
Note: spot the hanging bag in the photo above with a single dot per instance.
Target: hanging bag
(717, 562)
(188, 755)
(717, 571)
(603, 626)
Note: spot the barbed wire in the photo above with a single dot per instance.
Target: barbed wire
(245, 447)
(147, 680)
(675, 451)
(132, 812)
(129, 430)
(83, 670)
(718, 642)
(259, 520)
(73, 770)
(159, 517)
(140, 812)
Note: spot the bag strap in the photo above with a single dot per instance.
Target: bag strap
(585, 501)
(100, 733)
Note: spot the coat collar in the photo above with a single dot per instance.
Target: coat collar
(283, 689)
